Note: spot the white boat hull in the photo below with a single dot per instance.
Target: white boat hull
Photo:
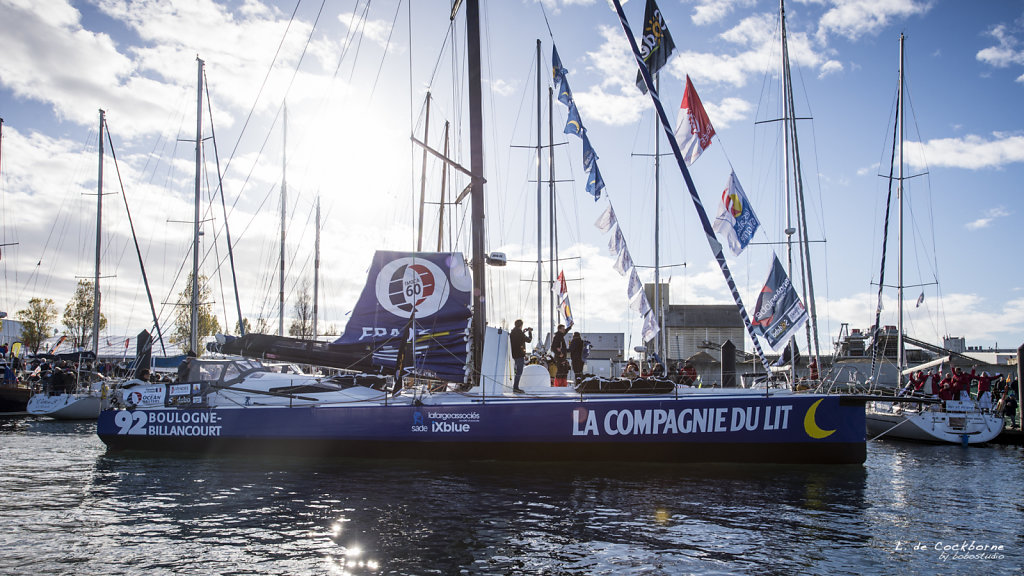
(85, 406)
(958, 424)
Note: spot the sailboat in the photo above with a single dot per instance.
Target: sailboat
(447, 388)
(943, 421)
(86, 399)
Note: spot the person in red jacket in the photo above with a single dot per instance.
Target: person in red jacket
(985, 391)
(946, 388)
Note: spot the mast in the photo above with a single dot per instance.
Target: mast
(423, 174)
(476, 140)
(316, 269)
(284, 208)
(444, 183)
(552, 231)
(99, 225)
(540, 254)
(900, 364)
(657, 231)
(194, 304)
(792, 166)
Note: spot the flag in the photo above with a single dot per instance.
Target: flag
(656, 45)
(573, 125)
(779, 312)
(564, 93)
(594, 182)
(920, 300)
(607, 219)
(617, 243)
(589, 155)
(558, 72)
(563, 301)
(640, 305)
(693, 127)
(736, 219)
(635, 285)
(624, 262)
(651, 327)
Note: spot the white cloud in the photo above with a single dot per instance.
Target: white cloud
(856, 18)
(971, 152)
(987, 219)
(1005, 53)
(711, 11)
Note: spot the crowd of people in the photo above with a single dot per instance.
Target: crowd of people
(958, 385)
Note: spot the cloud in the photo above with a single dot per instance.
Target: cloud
(855, 18)
(990, 215)
(711, 11)
(971, 152)
(1005, 53)
(503, 88)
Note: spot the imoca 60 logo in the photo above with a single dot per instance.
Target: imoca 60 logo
(411, 284)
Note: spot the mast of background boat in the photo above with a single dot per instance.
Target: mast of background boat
(423, 174)
(444, 183)
(540, 253)
(194, 303)
(316, 268)
(552, 220)
(899, 195)
(785, 163)
(476, 145)
(658, 318)
(99, 224)
(284, 207)
(801, 210)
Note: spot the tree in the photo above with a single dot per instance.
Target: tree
(208, 324)
(78, 315)
(302, 324)
(246, 324)
(37, 322)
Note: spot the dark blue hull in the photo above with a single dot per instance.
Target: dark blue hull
(781, 429)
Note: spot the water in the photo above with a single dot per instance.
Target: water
(69, 508)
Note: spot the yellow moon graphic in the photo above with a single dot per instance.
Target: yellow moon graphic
(811, 427)
(575, 123)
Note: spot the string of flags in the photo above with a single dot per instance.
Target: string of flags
(607, 223)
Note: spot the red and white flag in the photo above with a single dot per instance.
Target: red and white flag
(693, 127)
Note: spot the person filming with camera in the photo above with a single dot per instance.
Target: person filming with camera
(518, 338)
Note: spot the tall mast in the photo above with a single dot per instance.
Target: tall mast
(316, 269)
(99, 224)
(657, 228)
(793, 164)
(284, 208)
(423, 174)
(540, 253)
(444, 184)
(476, 141)
(194, 304)
(899, 195)
(552, 230)
(786, 112)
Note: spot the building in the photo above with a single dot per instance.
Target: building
(694, 328)
(605, 355)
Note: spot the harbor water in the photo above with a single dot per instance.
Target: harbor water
(70, 508)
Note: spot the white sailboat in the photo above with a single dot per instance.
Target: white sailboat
(927, 420)
(83, 401)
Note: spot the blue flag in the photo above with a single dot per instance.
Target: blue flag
(574, 125)
(595, 183)
(589, 155)
(779, 313)
(564, 93)
(557, 70)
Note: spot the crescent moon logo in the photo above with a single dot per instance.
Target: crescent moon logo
(575, 123)
(812, 428)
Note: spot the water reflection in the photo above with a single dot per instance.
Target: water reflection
(71, 508)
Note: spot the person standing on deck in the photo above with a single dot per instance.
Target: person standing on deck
(518, 338)
(576, 354)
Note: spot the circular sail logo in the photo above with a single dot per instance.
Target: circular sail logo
(732, 203)
(408, 285)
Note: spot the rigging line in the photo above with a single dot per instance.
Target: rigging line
(359, 41)
(131, 224)
(259, 93)
(223, 205)
(387, 44)
(885, 240)
(348, 38)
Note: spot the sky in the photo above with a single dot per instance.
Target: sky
(355, 77)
